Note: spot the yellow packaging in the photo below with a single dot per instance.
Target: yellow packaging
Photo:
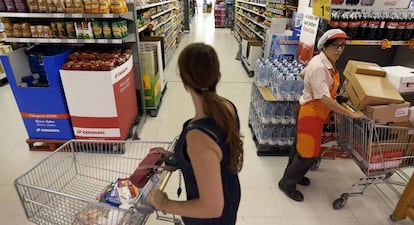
(119, 6)
(94, 6)
(104, 6)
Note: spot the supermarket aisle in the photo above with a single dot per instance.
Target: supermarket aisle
(262, 202)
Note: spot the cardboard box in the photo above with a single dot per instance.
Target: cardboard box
(364, 90)
(43, 109)
(102, 104)
(246, 43)
(401, 77)
(150, 79)
(284, 47)
(391, 113)
(360, 67)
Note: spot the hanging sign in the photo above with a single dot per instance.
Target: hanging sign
(308, 37)
(322, 8)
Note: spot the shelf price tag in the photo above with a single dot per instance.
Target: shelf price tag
(386, 44)
(322, 8)
(411, 44)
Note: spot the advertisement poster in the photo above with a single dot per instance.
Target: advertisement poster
(307, 37)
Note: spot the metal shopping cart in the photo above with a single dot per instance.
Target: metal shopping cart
(63, 188)
(379, 150)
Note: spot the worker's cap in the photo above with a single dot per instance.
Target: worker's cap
(331, 34)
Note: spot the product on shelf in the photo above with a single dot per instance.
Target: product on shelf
(92, 60)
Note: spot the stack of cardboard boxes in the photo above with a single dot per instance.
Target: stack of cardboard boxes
(370, 89)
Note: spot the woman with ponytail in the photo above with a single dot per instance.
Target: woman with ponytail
(209, 150)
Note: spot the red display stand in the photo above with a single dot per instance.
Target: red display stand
(102, 104)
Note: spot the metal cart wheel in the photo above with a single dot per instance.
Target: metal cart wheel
(316, 164)
(393, 218)
(340, 202)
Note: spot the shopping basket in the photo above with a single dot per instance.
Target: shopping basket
(379, 150)
(63, 188)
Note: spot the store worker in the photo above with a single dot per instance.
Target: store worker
(321, 79)
(209, 150)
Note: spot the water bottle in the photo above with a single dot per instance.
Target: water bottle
(275, 131)
(292, 134)
(292, 115)
(277, 112)
(287, 113)
(263, 135)
(283, 137)
(267, 111)
(273, 85)
(291, 83)
(257, 71)
(282, 87)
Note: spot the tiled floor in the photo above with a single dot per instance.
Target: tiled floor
(262, 203)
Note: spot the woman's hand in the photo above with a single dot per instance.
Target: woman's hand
(357, 114)
(158, 199)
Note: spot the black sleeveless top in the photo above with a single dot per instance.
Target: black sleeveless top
(231, 183)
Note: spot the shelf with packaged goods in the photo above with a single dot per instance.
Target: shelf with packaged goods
(127, 15)
(154, 5)
(162, 13)
(252, 3)
(280, 12)
(131, 40)
(251, 11)
(162, 23)
(250, 28)
(262, 25)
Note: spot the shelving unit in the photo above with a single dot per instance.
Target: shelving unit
(230, 14)
(249, 18)
(132, 40)
(166, 21)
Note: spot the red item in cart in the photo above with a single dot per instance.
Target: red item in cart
(149, 166)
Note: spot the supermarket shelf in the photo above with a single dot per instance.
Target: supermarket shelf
(253, 3)
(257, 34)
(249, 10)
(153, 5)
(140, 29)
(162, 23)
(382, 43)
(127, 15)
(162, 13)
(130, 38)
(276, 11)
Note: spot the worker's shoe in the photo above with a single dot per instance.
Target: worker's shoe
(304, 181)
(295, 195)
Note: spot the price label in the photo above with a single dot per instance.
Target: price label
(102, 41)
(58, 15)
(386, 44)
(77, 15)
(322, 8)
(411, 44)
(109, 15)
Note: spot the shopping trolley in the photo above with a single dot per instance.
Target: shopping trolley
(63, 188)
(379, 150)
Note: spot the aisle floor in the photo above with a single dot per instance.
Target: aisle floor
(262, 202)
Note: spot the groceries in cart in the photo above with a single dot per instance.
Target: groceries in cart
(121, 193)
(95, 215)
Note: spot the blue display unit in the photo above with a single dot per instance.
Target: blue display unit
(43, 107)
